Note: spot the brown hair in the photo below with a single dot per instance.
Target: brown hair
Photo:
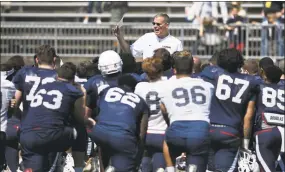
(153, 68)
(46, 54)
(251, 65)
(183, 62)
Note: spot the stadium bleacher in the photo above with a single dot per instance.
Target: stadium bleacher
(28, 24)
(139, 11)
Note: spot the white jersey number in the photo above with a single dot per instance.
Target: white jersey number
(270, 97)
(56, 101)
(223, 91)
(198, 96)
(36, 82)
(117, 94)
(152, 101)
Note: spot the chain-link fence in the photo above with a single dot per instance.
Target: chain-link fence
(79, 40)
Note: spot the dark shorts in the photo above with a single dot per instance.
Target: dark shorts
(191, 137)
(38, 143)
(120, 149)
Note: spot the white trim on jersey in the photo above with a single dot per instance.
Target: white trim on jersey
(153, 131)
(282, 132)
(234, 164)
(259, 156)
(77, 79)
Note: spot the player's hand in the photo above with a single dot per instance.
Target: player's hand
(117, 31)
(91, 122)
(13, 103)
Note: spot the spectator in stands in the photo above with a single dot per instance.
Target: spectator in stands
(200, 10)
(209, 36)
(272, 39)
(274, 7)
(117, 9)
(160, 38)
(241, 11)
(235, 33)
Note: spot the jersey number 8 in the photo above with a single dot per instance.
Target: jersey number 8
(152, 101)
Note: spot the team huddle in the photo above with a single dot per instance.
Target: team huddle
(170, 118)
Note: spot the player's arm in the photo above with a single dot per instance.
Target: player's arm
(143, 126)
(79, 110)
(91, 103)
(123, 43)
(247, 126)
(18, 81)
(15, 103)
(164, 113)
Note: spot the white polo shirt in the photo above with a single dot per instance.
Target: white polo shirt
(146, 44)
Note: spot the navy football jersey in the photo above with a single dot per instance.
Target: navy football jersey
(120, 110)
(95, 84)
(258, 78)
(270, 106)
(51, 106)
(28, 79)
(281, 82)
(233, 91)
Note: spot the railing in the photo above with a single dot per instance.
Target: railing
(80, 40)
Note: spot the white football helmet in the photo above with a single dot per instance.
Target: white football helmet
(110, 62)
(247, 162)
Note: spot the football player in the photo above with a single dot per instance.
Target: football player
(29, 78)
(187, 103)
(110, 66)
(13, 123)
(167, 62)
(120, 125)
(232, 106)
(153, 68)
(84, 71)
(270, 112)
(44, 129)
(7, 93)
(263, 63)
(250, 67)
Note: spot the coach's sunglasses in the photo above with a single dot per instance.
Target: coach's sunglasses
(158, 24)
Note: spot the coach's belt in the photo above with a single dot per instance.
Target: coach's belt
(218, 125)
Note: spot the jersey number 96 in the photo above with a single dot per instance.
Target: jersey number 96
(198, 96)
